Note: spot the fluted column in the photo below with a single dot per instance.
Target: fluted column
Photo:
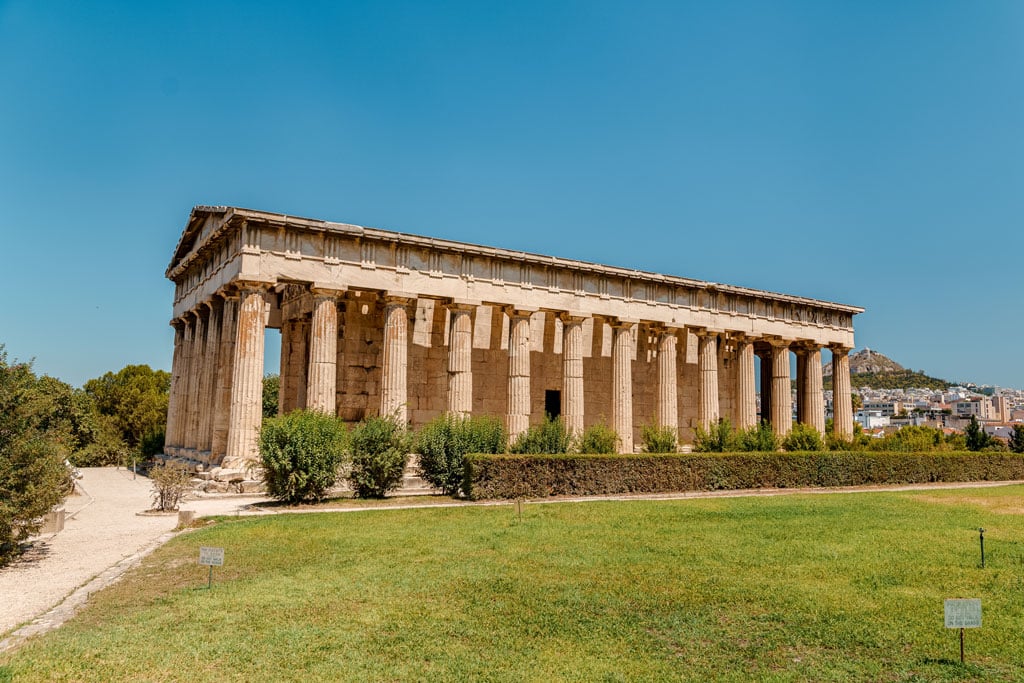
(198, 384)
(188, 383)
(210, 355)
(782, 400)
(460, 359)
(572, 373)
(668, 391)
(225, 376)
(842, 402)
(766, 385)
(322, 382)
(622, 384)
(247, 378)
(394, 397)
(707, 368)
(284, 379)
(746, 390)
(814, 410)
(518, 418)
(171, 438)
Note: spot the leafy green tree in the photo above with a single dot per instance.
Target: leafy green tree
(301, 453)
(32, 474)
(1017, 439)
(548, 438)
(802, 437)
(761, 438)
(657, 439)
(977, 439)
(598, 438)
(379, 446)
(444, 443)
(717, 438)
(271, 390)
(135, 398)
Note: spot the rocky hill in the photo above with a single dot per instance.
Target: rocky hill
(867, 361)
(872, 369)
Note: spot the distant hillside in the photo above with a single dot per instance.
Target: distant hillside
(872, 369)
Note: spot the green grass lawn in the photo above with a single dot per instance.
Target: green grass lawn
(812, 587)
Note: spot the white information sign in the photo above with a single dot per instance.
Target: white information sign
(963, 613)
(214, 557)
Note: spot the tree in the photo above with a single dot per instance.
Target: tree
(32, 474)
(977, 439)
(135, 398)
(271, 391)
(1017, 439)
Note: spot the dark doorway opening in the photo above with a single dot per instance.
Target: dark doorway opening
(553, 402)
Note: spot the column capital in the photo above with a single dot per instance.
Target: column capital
(252, 285)
(778, 342)
(327, 291)
(462, 305)
(403, 299)
(839, 349)
(621, 323)
(704, 332)
(571, 318)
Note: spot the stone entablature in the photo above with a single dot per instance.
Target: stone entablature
(374, 321)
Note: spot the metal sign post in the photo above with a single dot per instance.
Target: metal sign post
(211, 557)
(961, 614)
(981, 539)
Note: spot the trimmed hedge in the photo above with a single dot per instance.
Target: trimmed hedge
(539, 476)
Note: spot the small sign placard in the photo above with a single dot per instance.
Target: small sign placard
(963, 613)
(213, 557)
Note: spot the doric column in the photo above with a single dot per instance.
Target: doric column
(842, 402)
(782, 399)
(746, 388)
(460, 359)
(321, 386)
(198, 383)
(284, 379)
(210, 356)
(572, 373)
(622, 383)
(394, 397)
(668, 396)
(225, 376)
(518, 418)
(814, 397)
(188, 382)
(707, 368)
(171, 438)
(247, 378)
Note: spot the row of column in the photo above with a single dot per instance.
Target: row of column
(216, 393)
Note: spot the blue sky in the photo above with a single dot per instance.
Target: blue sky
(863, 152)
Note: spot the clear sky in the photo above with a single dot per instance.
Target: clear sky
(863, 152)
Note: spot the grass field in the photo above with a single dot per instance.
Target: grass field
(812, 587)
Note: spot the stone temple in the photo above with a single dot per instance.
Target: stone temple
(376, 322)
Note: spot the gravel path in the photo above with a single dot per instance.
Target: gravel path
(103, 537)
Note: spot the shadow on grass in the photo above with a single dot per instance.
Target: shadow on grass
(964, 670)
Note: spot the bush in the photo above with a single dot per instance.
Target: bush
(802, 437)
(170, 482)
(444, 442)
(761, 438)
(379, 446)
(658, 439)
(550, 436)
(598, 438)
(511, 476)
(302, 453)
(718, 438)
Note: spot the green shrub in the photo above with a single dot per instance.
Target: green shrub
(911, 439)
(444, 442)
(761, 438)
(717, 438)
(379, 446)
(550, 436)
(511, 476)
(598, 438)
(657, 439)
(301, 453)
(802, 437)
